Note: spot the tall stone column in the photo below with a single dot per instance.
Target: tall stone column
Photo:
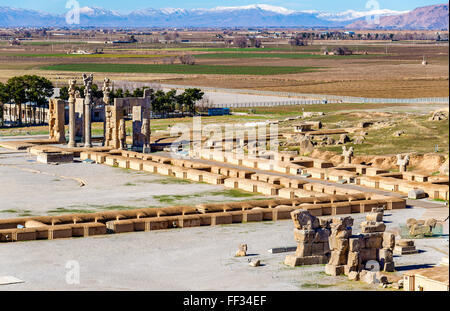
(72, 130)
(87, 109)
(107, 102)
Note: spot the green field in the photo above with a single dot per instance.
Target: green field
(59, 55)
(180, 69)
(278, 55)
(47, 43)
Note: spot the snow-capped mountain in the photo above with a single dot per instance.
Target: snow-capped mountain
(352, 14)
(257, 15)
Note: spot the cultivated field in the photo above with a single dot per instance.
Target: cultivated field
(377, 68)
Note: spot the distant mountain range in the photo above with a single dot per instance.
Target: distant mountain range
(258, 15)
(428, 17)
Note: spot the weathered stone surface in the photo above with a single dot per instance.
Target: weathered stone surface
(410, 222)
(385, 255)
(255, 263)
(338, 258)
(370, 278)
(307, 236)
(369, 227)
(295, 261)
(304, 220)
(373, 240)
(242, 251)
(374, 217)
(353, 276)
(304, 249)
(334, 270)
(306, 145)
(404, 242)
(354, 244)
(348, 269)
(420, 230)
(388, 240)
(325, 222)
(318, 249)
(389, 266)
(367, 254)
(405, 250)
(338, 244)
(322, 236)
(341, 223)
(354, 260)
(431, 222)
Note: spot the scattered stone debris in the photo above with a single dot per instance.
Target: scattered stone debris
(254, 263)
(309, 114)
(242, 251)
(405, 247)
(421, 228)
(343, 139)
(359, 140)
(330, 141)
(398, 133)
(365, 124)
(439, 115)
(306, 145)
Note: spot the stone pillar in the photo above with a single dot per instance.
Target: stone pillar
(72, 84)
(56, 120)
(107, 102)
(87, 109)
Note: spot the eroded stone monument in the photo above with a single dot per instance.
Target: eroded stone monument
(348, 154)
(402, 162)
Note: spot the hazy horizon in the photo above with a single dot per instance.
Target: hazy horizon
(58, 6)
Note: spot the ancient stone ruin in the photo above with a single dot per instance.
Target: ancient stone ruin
(311, 235)
(353, 255)
(402, 162)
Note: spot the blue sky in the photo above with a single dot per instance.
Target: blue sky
(58, 6)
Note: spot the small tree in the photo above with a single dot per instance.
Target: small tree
(4, 99)
(38, 90)
(299, 40)
(342, 51)
(187, 59)
(17, 91)
(189, 98)
(255, 42)
(240, 42)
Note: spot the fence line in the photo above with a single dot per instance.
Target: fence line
(318, 97)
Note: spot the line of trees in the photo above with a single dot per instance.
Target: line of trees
(162, 102)
(25, 89)
(308, 37)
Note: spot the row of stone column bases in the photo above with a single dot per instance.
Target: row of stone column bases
(67, 226)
